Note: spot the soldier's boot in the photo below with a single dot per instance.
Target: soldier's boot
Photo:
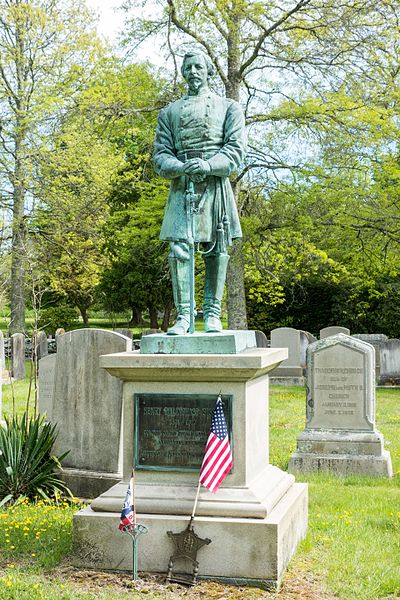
(214, 283)
(180, 275)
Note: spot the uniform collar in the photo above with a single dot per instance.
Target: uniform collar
(201, 94)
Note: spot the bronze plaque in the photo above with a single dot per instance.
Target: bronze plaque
(171, 430)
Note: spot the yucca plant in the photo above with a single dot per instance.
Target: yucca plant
(28, 469)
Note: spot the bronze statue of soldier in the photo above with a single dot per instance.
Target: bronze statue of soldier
(200, 142)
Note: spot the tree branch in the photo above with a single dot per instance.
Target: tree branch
(267, 31)
(190, 32)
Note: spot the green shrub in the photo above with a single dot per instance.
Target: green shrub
(28, 469)
(54, 317)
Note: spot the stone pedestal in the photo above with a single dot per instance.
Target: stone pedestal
(259, 513)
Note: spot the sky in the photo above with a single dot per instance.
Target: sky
(111, 21)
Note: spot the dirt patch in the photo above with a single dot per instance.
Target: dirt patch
(295, 586)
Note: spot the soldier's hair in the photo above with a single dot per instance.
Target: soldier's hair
(205, 57)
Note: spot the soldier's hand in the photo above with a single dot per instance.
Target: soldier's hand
(197, 166)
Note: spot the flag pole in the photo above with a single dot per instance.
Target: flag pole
(195, 504)
(133, 495)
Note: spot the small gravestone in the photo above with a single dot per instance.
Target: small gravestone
(46, 385)
(340, 434)
(41, 344)
(87, 406)
(18, 356)
(376, 340)
(291, 371)
(333, 330)
(390, 362)
(124, 331)
(261, 340)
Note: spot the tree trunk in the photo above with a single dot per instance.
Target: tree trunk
(153, 317)
(167, 316)
(235, 290)
(136, 319)
(18, 180)
(84, 314)
(17, 288)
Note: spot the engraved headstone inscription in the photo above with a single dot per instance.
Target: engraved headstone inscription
(340, 433)
(172, 429)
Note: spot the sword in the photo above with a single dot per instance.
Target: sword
(191, 210)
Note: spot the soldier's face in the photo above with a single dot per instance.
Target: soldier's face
(195, 73)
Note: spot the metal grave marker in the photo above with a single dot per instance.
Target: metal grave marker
(172, 429)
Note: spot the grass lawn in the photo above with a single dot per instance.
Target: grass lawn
(102, 321)
(352, 549)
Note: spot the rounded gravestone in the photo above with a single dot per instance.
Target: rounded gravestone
(340, 434)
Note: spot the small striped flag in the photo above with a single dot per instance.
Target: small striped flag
(128, 513)
(217, 461)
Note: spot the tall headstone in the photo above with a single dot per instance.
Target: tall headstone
(333, 330)
(292, 370)
(340, 434)
(390, 362)
(87, 406)
(18, 356)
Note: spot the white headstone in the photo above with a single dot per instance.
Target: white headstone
(18, 356)
(297, 342)
(333, 330)
(340, 433)
(287, 337)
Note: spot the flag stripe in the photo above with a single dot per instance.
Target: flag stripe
(217, 467)
(212, 441)
(214, 461)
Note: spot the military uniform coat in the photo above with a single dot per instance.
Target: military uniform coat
(210, 127)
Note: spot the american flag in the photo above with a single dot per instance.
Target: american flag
(217, 460)
(128, 513)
